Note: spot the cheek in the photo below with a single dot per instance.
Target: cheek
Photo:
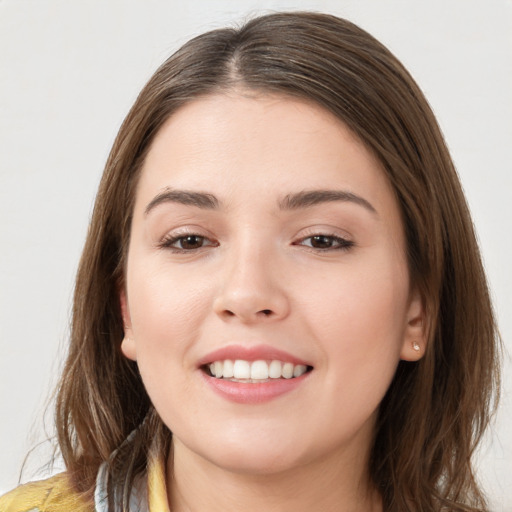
(166, 311)
(361, 316)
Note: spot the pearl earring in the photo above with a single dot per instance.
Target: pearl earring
(416, 346)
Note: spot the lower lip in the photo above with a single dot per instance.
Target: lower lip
(248, 393)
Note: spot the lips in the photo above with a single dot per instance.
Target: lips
(252, 374)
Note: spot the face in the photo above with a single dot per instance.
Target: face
(267, 299)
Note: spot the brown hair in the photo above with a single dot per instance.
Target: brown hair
(435, 411)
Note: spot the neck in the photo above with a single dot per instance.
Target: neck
(335, 483)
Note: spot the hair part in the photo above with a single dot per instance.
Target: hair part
(436, 410)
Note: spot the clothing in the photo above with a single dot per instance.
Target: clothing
(56, 495)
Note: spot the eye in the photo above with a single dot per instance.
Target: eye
(325, 242)
(188, 242)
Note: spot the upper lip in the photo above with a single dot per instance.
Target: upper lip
(250, 353)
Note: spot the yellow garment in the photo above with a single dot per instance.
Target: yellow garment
(52, 495)
(157, 488)
(56, 495)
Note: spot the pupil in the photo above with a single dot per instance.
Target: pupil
(321, 242)
(192, 242)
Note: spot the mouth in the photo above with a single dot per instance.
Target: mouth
(254, 372)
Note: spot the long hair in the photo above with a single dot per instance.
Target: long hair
(435, 410)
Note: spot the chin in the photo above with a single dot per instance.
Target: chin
(261, 454)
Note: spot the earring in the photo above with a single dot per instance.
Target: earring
(416, 346)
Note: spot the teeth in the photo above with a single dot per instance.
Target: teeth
(298, 370)
(218, 367)
(274, 369)
(255, 370)
(227, 372)
(287, 370)
(241, 370)
(259, 370)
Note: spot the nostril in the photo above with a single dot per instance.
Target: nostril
(266, 312)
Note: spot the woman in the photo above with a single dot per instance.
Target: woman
(281, 301)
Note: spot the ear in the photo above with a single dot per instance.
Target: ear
(128, 343)
(415, 334)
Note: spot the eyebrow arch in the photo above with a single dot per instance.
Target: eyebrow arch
(198, 199)
(308, 198)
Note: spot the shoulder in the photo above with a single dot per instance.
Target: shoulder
(52, 495)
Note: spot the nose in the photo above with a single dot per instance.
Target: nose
(251, 290)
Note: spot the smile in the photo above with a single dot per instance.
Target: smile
(253, 374)
(258, 371)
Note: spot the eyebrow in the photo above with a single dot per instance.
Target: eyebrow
(309, 198)
(198, 199)
(296, 201)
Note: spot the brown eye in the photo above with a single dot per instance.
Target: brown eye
(190, 242)
(322, 242)
(326, 242)
(186, 243)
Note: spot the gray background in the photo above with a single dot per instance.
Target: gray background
(70, 70)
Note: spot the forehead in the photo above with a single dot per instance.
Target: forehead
(240, 142)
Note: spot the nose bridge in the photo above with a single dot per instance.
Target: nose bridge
(250, 270)
(251, 289)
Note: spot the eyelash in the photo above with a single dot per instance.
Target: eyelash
(170, 241)
(340, 244)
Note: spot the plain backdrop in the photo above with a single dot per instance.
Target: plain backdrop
(70, 70)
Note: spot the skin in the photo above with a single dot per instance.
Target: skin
(254, 278)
